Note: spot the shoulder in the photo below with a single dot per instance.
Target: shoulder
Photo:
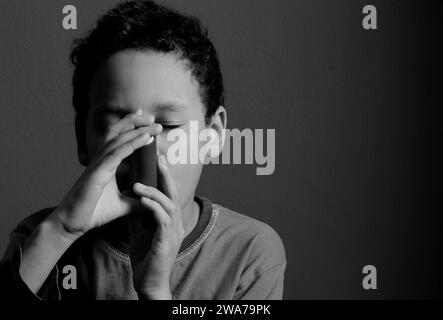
(24, 228)
(27, 225)
(244, 226)
(249, 236)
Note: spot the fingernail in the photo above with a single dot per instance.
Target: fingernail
(151, 138)
(147, 136)
(139, 112)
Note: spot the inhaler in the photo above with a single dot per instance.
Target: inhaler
(141, 224)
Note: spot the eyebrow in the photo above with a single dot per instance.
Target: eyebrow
(118, 110)
(170, 106)
(112, 110)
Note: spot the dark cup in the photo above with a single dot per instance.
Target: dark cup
(140, 166)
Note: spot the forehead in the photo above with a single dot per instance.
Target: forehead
(144, 79)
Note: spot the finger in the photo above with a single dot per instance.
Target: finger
(139, 121)
(160, 215)
(166, 180)
(151, 130)
(129, 122)
(155, 195)
(111, 160)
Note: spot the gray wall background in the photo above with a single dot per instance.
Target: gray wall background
(352, 111)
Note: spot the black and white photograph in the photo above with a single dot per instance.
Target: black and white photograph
(195, 150)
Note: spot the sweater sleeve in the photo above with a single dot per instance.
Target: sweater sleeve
(262, 277)
(13, 287)
(266, 286)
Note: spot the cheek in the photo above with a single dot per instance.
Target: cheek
(190, 144)
(186, 176)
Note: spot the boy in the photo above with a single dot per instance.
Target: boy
(144, 71)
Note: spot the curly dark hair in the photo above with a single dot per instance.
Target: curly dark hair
(139, 25)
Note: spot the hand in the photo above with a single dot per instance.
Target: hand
(151, 275)
(95, 200)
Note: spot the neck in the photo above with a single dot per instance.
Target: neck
(190, 215)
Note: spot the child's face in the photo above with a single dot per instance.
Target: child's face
(158, 84)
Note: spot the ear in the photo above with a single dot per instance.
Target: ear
(80, 135)
(218, 126)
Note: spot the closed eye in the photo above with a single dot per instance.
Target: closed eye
(169, 125)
